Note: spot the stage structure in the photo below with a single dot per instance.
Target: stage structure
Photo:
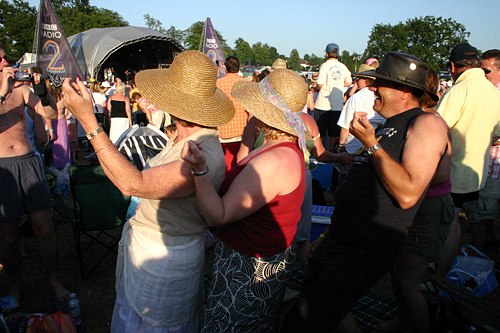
(122, 48)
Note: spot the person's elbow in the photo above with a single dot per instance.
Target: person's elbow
(50, 113)
(407, 201)
(213, 223)
(216, 221)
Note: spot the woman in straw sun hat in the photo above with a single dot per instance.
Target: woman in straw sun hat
(259, 209)
(161, 253)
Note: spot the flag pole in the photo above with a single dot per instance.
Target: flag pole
(37, 29)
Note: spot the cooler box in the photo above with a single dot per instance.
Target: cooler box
(320, 220)
(322, 172)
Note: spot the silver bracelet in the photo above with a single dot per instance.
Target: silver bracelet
(199, 173)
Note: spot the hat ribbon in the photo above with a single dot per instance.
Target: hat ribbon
(292, 118)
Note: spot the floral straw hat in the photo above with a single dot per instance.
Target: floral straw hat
(277, 101)
(187, 90)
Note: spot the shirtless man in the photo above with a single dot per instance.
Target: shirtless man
(24, 189)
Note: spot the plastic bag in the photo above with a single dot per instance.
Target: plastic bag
(50, 323)
(475, 274)
(62, 180)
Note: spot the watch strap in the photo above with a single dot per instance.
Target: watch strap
(94, 133)
(371, 150)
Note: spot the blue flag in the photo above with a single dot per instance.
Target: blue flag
(54, 55)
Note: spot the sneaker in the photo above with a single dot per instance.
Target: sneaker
(9, 303)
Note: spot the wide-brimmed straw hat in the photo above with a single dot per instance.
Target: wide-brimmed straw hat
(405, 69)
(363, 68)
(278, 64)
(288, 87)
(187, 90)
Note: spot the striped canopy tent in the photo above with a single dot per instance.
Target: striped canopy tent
(133, 48)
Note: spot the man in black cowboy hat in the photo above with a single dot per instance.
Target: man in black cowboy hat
(379, 198)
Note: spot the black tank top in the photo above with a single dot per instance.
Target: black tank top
(363, 204)
(118, 109)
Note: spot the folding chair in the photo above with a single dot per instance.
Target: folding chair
(465, 309)
(99, 208)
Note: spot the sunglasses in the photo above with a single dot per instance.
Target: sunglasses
(2, 58)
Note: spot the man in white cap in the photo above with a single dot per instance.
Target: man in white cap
(333, 80)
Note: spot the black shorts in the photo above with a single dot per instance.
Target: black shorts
(327, 122)
(430, 227)
(24, 188)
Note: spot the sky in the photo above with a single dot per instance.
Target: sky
(309, 25)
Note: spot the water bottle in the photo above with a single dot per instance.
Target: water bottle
(74, 309)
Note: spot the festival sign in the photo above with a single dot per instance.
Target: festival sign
(212, 47)
(54, 55)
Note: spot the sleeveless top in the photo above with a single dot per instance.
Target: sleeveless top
(307, 152)
(151, 107)
(438, 190)
(271, 229)
(363, 204)
(118, 109)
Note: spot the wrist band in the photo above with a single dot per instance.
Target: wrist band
(199, 173)
(104, 147)
(94, 133)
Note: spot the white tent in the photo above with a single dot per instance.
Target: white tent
(122, 48)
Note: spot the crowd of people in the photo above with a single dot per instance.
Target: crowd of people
(414, 151)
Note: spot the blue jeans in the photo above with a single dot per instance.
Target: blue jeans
(343, 269)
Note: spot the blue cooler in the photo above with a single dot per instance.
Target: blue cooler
(322, 172)
(321, 219)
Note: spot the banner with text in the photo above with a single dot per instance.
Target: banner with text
(212, 47)
(54, 55)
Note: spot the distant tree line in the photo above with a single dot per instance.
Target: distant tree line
(429, 38)
(18, 22)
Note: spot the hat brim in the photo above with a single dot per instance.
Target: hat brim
(157, 86)
(374, 75)
(251, 97)
(363, 75)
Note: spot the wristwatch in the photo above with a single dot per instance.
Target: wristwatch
(371, 150)
(94, 133)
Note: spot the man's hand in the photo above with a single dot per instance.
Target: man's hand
(361, 128)
(7, 83)
(78, 101)
(37, 78)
